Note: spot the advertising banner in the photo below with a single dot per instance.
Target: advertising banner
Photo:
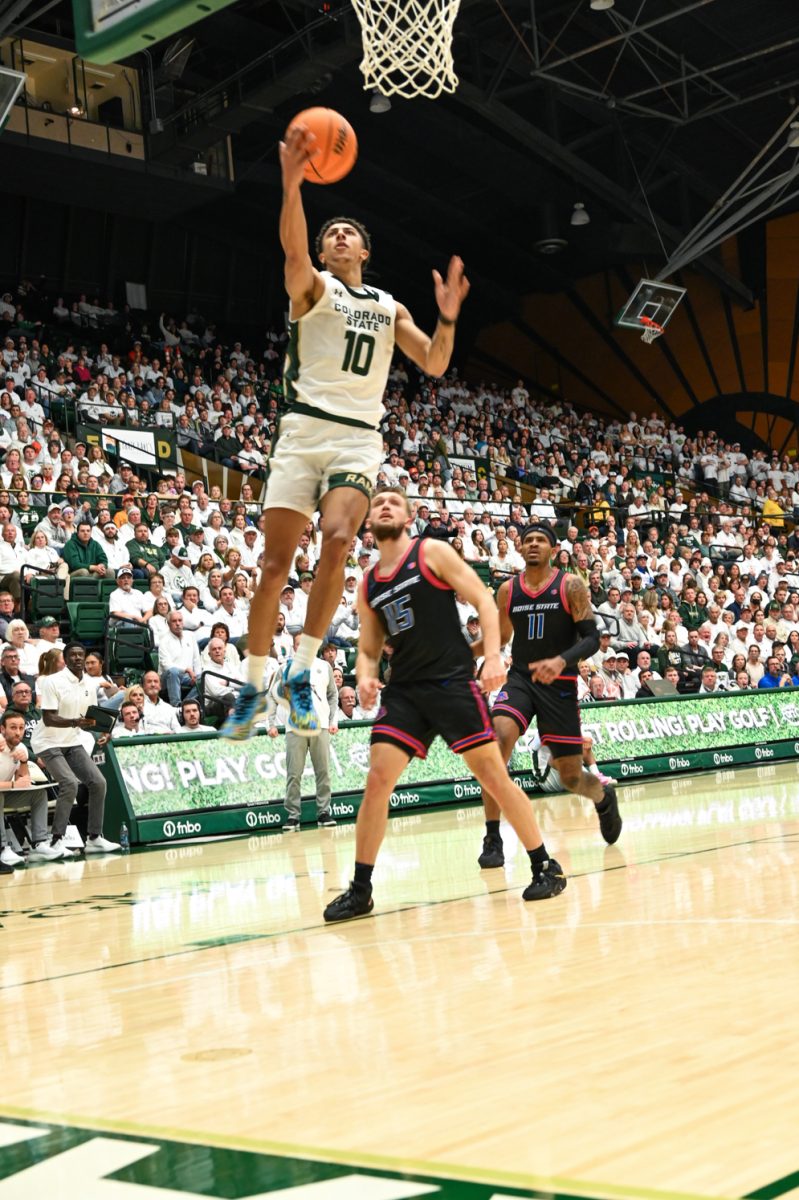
(640, 729)
(139, 447)
(192, 786)
(201, 773)
(479, 467)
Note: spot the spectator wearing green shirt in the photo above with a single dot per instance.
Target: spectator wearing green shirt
(84, 555)
(145, 558)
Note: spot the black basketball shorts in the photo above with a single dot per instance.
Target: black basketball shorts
(412, 714)
(554, 706)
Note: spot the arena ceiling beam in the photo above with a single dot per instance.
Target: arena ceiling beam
(608, 190)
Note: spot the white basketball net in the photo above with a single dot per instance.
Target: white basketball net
(650, 333)
(407, 46)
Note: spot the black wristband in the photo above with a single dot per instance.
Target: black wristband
(447, 320)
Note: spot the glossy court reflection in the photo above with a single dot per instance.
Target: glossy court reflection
(627, 1038)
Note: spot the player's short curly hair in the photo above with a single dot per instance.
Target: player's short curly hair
(362, 230)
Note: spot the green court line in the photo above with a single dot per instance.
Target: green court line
(558, 1188)
(778, 1188)
(233, 939)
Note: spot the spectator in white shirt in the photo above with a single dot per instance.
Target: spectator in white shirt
(229, 614)
(160, 717)
(177, 573)
(220, 693)
(347, 701)
(178, 658)
(125, 603)
(58, 740)
(130, 721)
(117, 552)
(15, 773)
(10, 561)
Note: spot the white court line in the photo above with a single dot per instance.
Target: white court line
(470, 934)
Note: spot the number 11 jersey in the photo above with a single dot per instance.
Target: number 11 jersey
(542, 622)
(339, 354)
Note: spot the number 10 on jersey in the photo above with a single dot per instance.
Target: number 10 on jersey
(358, 353)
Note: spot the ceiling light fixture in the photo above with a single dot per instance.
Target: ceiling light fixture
(793, 136)
(580, 216)
(602, 5)
(378, 103)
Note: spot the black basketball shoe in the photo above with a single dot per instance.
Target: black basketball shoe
(355, 902)
(492, 854)
(609, 817)
(548, 880)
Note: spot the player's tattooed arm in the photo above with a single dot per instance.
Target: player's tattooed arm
(579, 600)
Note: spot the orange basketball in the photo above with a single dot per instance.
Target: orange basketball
(336, 142)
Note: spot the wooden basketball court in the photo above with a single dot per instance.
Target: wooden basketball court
(634, 1037)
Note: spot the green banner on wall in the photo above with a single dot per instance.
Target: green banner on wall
(640, 729)
(192, 786)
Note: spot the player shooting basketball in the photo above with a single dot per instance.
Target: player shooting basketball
(328, 448)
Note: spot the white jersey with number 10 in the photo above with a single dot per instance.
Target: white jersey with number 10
(340, 352)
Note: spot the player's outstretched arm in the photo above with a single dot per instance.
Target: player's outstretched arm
(370, 647)
(432, 354)
(303, 283)
(442, 560)
(548, 669)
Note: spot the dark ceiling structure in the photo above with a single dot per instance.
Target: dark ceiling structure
(644, 112)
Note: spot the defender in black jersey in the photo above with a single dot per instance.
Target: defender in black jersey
(547, 614)
(409, 599)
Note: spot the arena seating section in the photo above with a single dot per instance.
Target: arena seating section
(687, 545)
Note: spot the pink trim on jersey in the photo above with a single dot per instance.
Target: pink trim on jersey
(388, 578)
(428, 573)
(563, 598)
(482, 707)
(535, 595)
(553, 737)
(405, 738)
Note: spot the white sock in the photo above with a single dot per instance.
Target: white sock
(594, 769)
(304, 654)
(255, 670)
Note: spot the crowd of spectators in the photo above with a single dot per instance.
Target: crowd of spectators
(683, 542)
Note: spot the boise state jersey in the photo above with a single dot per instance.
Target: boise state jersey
(339, 354)
(542, 622)
(419, 614)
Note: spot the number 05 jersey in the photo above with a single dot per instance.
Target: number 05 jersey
(339, 354)
(419, 614)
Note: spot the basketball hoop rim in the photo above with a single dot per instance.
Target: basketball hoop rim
(651, 329)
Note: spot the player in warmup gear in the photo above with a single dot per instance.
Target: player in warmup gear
(409, 598)
(328, 449)
(548, 615)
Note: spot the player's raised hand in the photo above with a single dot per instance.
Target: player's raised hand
(452, 291)
(546, 670)
(298, 148)
(493, 674)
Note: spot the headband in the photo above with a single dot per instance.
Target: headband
(540, 527)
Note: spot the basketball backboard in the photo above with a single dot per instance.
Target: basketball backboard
(651, 299)
(11, 84)
(107, 30)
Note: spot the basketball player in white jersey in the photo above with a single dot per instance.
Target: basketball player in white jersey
(328, 450)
